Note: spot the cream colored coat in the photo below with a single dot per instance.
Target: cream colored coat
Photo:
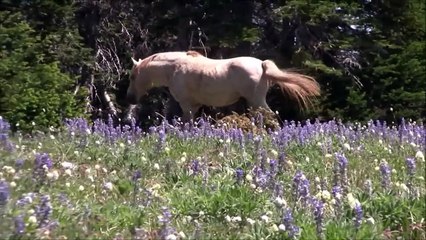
(195, 80)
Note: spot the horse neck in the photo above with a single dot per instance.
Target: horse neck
(159, 74)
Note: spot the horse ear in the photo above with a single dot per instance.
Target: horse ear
(134, 61)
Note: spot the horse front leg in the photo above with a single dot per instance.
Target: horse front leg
(189, 111)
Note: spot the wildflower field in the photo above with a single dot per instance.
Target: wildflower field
(197, 181)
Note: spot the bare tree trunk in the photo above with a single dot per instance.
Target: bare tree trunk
(106, 99)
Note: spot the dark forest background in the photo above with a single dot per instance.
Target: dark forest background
(61, 59)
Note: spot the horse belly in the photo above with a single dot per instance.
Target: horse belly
(216, 96)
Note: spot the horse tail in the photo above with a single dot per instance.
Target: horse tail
(297, 86)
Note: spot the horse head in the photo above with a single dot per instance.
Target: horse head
(139, 84)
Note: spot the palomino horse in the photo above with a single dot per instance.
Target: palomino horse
(195, 80)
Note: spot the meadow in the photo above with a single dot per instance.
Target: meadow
(325, 180)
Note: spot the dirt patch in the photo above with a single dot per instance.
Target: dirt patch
(254, 121)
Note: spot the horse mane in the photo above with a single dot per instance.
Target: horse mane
(193, 53)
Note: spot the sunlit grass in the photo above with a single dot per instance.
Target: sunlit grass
(207, 183)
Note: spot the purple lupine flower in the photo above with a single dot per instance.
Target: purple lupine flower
(282, 162)
(386, 174)
(161, 139)
(318, 212)
(300, 187)
(42, 160)
(43, 211)
(42, 163)
(4, 193)
(4, 135)
(273, 165)
(278, 189)
(239, 174)
(340, 172)
(63, 199)
(262, 177)
(19, 163)
(358, 215)
(288, 221)
(368, 187)
(165, 221)
(25, 199)
(195, 167)
(337, 195)
(411, 166)
(19, 225)
(411, 170)
(136, 175)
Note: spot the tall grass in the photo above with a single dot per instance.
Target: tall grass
(194, 181)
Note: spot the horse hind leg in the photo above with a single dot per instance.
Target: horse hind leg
(258, 103)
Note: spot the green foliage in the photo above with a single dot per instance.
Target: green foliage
(35, 93)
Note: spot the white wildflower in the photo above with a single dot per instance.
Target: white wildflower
(52, 137)
(249, 177)
(90, 177)
(182, 234)
(274, 153)
(325, 195)
(67, 184)
(264, 218)
(280, 201)
(171, 237)
(167, 149)
(9, 170)
(404, 187)
(97, 166)
(108, 186)
(274, 228)
(156, 166)
(236, 219)
(420, 156)
(328, 155)
(228, 218)
(370, 220)
(221, 154)
(352, 201)
(12, 184)
(53, 175)
(250, 221)
(68, 172)
(347, 146)
(67, 165)
(81, 188)
(281, 227)
(32, 219)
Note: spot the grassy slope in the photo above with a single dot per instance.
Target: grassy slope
(193, 175)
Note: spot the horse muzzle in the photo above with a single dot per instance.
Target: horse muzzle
(132, 99)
